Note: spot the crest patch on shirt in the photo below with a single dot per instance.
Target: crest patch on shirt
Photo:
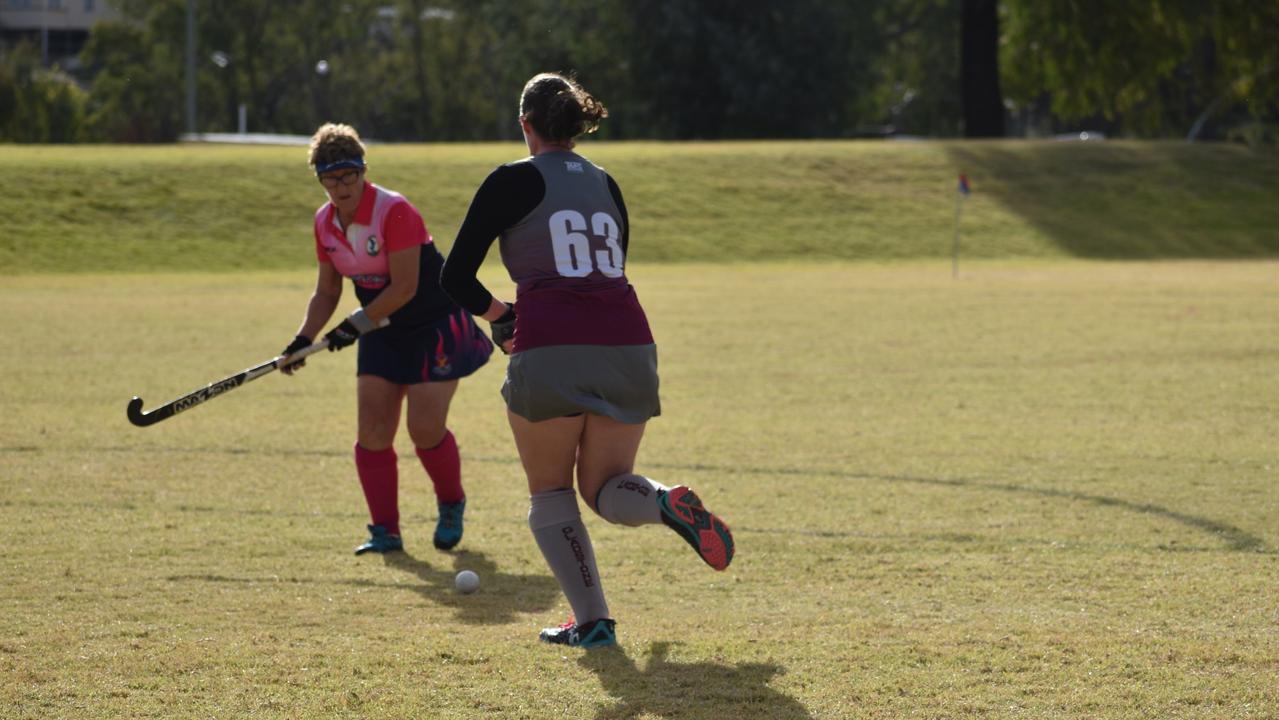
(573, 166)
(371, 245)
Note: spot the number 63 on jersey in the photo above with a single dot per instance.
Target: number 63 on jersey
(573, 254)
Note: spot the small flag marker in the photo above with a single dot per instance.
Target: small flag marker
(962, 192)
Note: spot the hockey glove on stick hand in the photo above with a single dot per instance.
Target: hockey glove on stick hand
(350, 330)
(298, 343)
(503, 329)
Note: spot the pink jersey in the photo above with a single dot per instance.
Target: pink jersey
(384, 222)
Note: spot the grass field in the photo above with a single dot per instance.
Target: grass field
(195, 208)
(1043, 490)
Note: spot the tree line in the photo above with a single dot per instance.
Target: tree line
(427, 70)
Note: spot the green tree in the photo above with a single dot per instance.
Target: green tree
(38, 105)
(1153, 66)
(289, 63)
(751, 68)
(449, 69)
(136, 95)
(914, 46)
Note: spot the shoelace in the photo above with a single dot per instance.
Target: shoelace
(449, 517)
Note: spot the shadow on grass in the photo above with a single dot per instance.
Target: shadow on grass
(1235, 539)
(500, 599)
(699, 689)
(1130, 200)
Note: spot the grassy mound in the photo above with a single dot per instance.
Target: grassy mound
(222, 208)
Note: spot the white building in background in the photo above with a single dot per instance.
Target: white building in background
(58, 27)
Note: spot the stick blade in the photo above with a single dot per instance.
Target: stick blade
(136, 416)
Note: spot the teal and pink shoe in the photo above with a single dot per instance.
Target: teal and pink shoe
(593, 634)
(448, 529)
(380, 541)
(684, 513)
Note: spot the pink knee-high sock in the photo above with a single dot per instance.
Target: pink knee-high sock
(380, 479)
(444, 465)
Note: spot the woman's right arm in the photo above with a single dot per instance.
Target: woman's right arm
(328, 292)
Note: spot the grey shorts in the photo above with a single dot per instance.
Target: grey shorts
(558, 380)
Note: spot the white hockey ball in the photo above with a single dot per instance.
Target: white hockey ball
(467, 582)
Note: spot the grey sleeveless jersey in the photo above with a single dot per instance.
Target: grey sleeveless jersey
(572, 237)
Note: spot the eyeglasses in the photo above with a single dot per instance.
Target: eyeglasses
(347, 178)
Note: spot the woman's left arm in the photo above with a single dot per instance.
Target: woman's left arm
(509, 193)
(404, 269)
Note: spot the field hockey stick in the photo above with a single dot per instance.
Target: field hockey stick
(214, 389)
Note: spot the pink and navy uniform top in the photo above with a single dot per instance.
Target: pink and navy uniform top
(564, 235)
(385, 222)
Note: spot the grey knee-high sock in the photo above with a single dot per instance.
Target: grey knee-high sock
(629, 500)
(557, 526)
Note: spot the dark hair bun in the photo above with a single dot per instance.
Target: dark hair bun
(559, 108)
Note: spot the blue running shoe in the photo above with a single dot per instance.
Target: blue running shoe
(380, 541)
(448, 529)
(596, 633)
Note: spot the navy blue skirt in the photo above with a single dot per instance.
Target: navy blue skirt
(450, 348)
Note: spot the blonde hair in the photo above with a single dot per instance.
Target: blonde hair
(334, 142)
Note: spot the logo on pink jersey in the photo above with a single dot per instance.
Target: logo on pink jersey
(371, 245)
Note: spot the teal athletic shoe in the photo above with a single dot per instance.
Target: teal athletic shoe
(596, 633)
(448, 529)
(683, 512)
(380, 541)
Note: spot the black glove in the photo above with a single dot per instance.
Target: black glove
(503, 329)
(299, 342)
(350, 329)
(342, 335)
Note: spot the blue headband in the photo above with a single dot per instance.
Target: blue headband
(356, 162)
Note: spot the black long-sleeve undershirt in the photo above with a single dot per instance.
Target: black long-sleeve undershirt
(506, 196)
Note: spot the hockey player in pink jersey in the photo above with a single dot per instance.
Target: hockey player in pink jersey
(377, 238)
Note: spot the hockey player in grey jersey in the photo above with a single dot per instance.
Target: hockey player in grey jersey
(582, 379)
